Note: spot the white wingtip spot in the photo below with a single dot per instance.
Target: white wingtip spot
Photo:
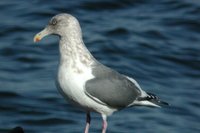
(146, 103)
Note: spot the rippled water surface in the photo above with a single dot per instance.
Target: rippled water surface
(156, 42)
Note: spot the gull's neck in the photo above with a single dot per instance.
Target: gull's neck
(73, 52)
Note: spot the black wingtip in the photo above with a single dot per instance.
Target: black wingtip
(164, 103)
(157, 100)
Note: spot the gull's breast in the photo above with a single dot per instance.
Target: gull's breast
(71, 82)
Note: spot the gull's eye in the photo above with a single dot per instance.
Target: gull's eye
(53, 22)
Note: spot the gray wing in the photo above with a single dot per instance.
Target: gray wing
(111, 88)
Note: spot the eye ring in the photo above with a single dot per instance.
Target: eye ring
(53, 22)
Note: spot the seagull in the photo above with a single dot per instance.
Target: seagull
(87, 83)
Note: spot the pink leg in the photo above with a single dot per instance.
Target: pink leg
(88, 119)
(105, 124)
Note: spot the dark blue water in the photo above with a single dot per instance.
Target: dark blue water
(156, 42)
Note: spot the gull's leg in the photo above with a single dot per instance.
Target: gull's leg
(105, 124)
(88, 119)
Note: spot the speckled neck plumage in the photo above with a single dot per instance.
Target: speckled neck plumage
(73, 52)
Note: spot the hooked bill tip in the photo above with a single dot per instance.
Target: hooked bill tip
(36, 38)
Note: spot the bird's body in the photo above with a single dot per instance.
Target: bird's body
(70, 84)
(74, 71)
(86, 82)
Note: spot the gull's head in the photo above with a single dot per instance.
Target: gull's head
(62, 25)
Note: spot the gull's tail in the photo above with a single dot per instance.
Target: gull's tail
(151, 100)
